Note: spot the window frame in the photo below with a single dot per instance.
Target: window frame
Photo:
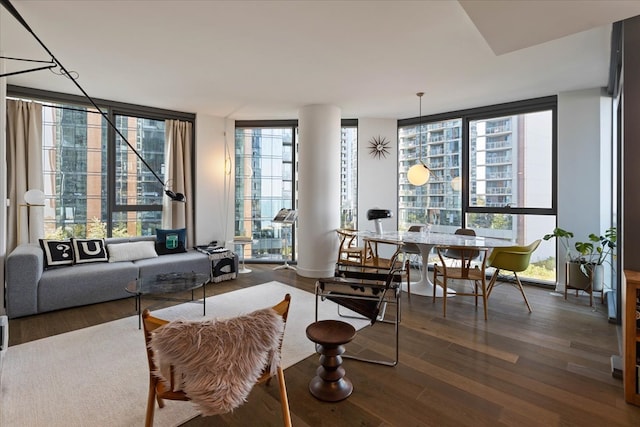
(487, 112)
(111, 109)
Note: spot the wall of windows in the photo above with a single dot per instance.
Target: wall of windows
(492, 170)
(94, 184)
(265, 182)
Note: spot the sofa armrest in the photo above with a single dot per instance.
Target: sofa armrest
(24, 267)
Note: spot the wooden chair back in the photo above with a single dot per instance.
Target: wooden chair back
(349, 253)
(158, 391)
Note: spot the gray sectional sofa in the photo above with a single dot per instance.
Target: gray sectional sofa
(32, 289)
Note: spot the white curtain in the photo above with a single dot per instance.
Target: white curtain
(178, 173)
(24, 171)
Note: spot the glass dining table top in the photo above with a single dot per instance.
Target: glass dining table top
(435, 239)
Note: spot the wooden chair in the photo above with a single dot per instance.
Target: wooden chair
(409, 250)
(368, 293)
(455, 254)
(514, 259)
(375, 262)
(349, 253)
(158, 391)
(465, 272)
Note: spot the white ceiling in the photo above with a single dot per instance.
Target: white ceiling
(266, 59)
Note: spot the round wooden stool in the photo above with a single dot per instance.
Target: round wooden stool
(329, 384)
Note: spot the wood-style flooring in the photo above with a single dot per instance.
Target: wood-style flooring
(548, 368)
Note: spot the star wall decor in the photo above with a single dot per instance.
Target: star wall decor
(378, 146)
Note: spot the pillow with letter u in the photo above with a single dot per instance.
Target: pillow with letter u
(88, 250)
(171, 241)
(56, 252)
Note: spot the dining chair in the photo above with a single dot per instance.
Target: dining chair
(455, 254)
(514, 259)
(465, 273)
(368, 293)
(169, 362)
(378, 261)
(349, 253)
(409, 252)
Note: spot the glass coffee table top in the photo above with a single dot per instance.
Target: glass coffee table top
(168, 283)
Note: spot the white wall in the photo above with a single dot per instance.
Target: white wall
(215, 190)
(584, 178)
(377, 177)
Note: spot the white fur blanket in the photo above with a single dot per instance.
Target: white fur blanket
(217, 362)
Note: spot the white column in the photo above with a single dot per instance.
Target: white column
(318, 189)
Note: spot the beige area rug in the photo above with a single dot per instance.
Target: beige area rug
(99, 375)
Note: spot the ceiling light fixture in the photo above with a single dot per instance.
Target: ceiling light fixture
(419, 173)
(176, 197)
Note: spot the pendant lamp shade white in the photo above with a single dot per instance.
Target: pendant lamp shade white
(419, 173)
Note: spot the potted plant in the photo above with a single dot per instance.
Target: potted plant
(585, 260)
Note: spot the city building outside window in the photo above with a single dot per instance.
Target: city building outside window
(490, 172)
(92, 188)
(265, 182)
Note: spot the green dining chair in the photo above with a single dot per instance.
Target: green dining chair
(514, 259)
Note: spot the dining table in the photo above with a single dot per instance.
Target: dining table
(426, 241)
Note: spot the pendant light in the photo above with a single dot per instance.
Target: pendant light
(418, 174)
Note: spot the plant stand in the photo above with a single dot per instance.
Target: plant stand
(576, 279)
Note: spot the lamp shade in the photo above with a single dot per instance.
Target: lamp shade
(418, 174)
(379, 214)
(456, 183)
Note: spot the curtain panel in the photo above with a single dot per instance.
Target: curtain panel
(178, 173)
(24, 171)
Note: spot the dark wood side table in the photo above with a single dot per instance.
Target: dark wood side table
(330, 384)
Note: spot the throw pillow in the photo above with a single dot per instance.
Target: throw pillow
(88, 250)
(171, 241)
(131, 251)
(56, 252)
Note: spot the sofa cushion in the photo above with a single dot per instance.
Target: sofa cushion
(88, 250)
(171, 241)
(131, 251)
(56, 252)
(84, 284)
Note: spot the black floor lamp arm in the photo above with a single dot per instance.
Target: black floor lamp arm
(7, 5)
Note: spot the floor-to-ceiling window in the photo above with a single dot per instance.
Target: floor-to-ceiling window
(94, 183)
(349, 176)
(264, 184)
(492, 170)
(266, 181)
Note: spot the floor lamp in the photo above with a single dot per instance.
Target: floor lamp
(32, 199)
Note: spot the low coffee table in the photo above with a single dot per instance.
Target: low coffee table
(168, 283)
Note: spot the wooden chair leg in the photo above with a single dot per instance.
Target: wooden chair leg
(444, 295)
(435, 283)
(485, 297)
(492, 282)
(408, 267)
(151, 404)
(284, 400)
(522, 291)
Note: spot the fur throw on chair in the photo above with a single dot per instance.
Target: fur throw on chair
(217, 362)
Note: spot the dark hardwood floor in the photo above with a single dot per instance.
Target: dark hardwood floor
(548, 368)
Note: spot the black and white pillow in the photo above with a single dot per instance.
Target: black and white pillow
(89, 250)
(56, 252)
